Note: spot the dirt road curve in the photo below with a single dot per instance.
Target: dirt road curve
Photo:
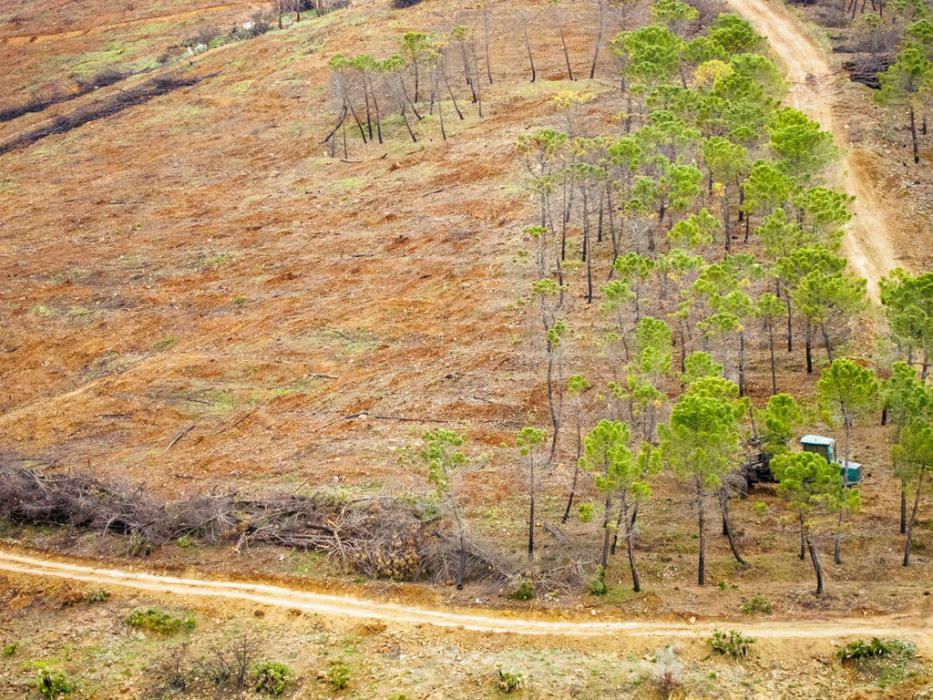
(812, 81)
(350, 607)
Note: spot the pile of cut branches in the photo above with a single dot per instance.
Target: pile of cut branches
(376, 536)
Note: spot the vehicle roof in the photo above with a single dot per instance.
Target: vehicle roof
(817, 440)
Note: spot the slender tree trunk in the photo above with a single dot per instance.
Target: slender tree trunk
(913, 518)
(531, 58)
(440, 119)
(743, 389)
(726, 222)
(563, 43)
(629, 546)
(790, 324)
(808, 350)
(586, 251)
(607, 514)
(452, 96)
(726, 527)
(913, 135)
(903, 506)
(461, 566)
(829, 347)
(701, 519)
(531, 509)
(817, 568)
(486, 41)
(803, 529)
(552, 408)
(408, 126)
(837, 541)
(576, 468)
(599, 41)
(771, 351)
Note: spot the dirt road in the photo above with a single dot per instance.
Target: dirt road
(811, 78)
(915, 629)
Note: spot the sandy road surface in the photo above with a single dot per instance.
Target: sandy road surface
(811, 81)
(358, 608)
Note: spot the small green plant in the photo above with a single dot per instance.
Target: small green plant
(733, 644)
(53, 684)
(509, 682)
(756, 604)
(860, 649)
(271, 678)
(338, 675)
(525, 590)
(585, 512)
(185, 541)
(159, 621)
(598, 584)
(10, 649)
(98, 596)
(761, 508)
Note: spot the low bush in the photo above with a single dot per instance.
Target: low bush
(10, 649)
(53, 684)
(525, 590)
(271, 678)
(338, 675)
(509, 682)
(732, 644)
(756, 604)
(598, 584)
(159, 621)
(98, 596)
(860, 649)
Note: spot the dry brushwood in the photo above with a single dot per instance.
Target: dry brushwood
(378, 537)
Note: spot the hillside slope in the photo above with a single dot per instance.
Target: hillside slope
(204, 264)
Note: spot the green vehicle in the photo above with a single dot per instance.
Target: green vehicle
(851, 471)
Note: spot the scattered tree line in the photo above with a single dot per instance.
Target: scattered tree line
(701, 229)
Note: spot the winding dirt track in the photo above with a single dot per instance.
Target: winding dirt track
(358, 608)
(811, 78)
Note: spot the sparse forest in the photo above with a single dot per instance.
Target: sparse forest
(698, 234)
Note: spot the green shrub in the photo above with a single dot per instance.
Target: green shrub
(509, 682)
(158, 621)
(338, 675)
(185, 541)
(756, 604)
(271, 678)
(10, 649)
(761, 508)
(598, 583)
(860, 649)
(53, 684)
(732, 644)
(585, 511)
(890, 661)
(99, 596)
(525, 590)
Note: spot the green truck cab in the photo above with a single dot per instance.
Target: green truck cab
(851, 471)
